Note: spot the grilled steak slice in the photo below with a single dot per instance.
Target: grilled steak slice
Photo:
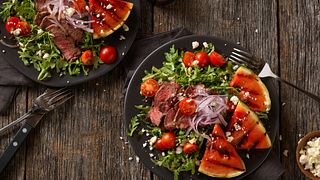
(40, 5)
(163, 101)
(75, 33)
(39, 17)
(46, 22)
(65, 43)
(175, 120)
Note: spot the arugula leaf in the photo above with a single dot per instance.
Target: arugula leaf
(133, 125)
(24, 9)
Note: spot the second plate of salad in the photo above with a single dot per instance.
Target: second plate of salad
(192, 113)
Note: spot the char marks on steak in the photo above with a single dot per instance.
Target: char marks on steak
(39, 17)
(64, 42)
(164, 100)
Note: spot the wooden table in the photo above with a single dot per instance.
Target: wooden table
(81, 140)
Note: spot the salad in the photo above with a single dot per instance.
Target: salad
(199, 110)
(65, 36)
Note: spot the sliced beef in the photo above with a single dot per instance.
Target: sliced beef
(175, 120)
(39, 17)
(75, 33)
(163, 101)
(46, 22)
(40, 5)
(65, 43)
(198, 91)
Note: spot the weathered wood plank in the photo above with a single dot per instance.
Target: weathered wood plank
(299, 54)
(81, 140)
(16, 168)
(252, 23)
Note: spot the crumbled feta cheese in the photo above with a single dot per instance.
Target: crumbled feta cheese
(16, 32)
(285, 153)
(98, 15)
(310, 156)
(150, 148)
(101, 31)
(195, 63)
(152, 140)
(248, 156)
(130, 158)
(229, 138)
(246, 94)
(144, 144)
(143, 130)
(45, 56)
(87, 8)
(234, 100)
(70, 11)
(235, 67)
(147, 134)
(256, 31)
(137, 159)
(195, 44)
(122, 38)
(193, 141)
(151, 155)
(40, 31)
(125, 27)
(179, 150)
(163, 154)
(109, 6)
(3, 51)
(205, 44)
(237, 127)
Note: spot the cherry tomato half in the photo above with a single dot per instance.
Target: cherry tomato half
(25, 28)
(188, 59)
(149, 88)
(202, 58)
(189, 148)
(217, 59)
(187, 106)
(166, 142)
(108, 54)
(12, 23)
(87, 57)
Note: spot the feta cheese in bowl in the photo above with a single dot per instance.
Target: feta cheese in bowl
(308, 155)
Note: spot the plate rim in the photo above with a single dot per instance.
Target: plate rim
(78, 78)
(275, 94)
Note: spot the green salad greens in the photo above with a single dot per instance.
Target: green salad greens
(173, 69)
(38, 50)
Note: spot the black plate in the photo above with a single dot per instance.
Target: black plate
(133, 98)
(12, 57)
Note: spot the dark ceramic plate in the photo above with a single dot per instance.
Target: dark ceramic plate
(12, 57)
(134, 98)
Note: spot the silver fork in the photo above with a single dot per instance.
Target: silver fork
(46, 102)
(258, 65)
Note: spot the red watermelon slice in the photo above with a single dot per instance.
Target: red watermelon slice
(247, 130)
(220, 158)
(108, 16)
(253, 92)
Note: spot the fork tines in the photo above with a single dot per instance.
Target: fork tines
(53, 98)
(241, 57)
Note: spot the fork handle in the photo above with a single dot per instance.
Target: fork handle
(313, 96)
(14, 145)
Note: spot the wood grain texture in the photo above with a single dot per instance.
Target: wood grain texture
(16, 168)
(299, 54)
(81, 139)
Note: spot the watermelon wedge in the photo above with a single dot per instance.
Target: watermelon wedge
(108, 16)
(220, 158)
(247, 130)
(252, 90)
